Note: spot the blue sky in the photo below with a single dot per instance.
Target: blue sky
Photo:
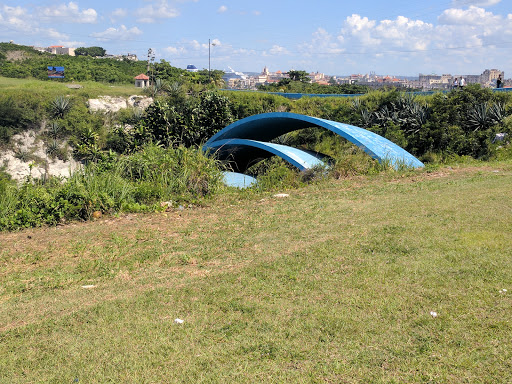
(392, 37)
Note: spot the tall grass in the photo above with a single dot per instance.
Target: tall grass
(8, 197)
(135, 183)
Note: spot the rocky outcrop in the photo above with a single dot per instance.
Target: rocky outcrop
(107, 104)
(141, 102)
(28, 157)
(114, 104)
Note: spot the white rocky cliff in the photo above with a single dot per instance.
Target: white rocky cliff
(27, 155)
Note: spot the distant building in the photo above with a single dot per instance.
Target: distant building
(489, 76)
(56, 50)
(128, 56)
(60, 50)
(486, 79)
(141, 81)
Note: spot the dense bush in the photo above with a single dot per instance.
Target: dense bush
(135, 183)
(16, 114)
(90, 51)
(182, 120)
(461, 122)
(296, 86)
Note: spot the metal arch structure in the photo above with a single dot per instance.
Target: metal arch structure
(246, 141)
(268, 126)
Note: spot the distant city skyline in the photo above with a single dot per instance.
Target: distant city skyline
(397, 37)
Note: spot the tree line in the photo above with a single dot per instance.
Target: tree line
(86, 67)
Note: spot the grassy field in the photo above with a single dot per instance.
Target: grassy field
(336, 283)
(90, 89)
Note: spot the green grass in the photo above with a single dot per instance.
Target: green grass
(90, 89)
(334, 284)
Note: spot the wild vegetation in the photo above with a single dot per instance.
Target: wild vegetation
(17, 61)
(186, 113)
(90, 51)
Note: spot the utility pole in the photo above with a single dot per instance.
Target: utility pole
(209, 68)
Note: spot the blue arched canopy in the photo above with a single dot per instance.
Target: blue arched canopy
(243, 153)
(268, 126)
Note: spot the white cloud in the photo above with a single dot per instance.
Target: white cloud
(157, 11)
(196, 45)
(360, 28)
(192, 47)
(14, 11)
(16, 18)
(481, 3)
(362, 35)
(278, 50)
(222, 9)
(460, 38)
(175, 51)
(322, 42)
(118, 13)
(121, 33)
(54, 34)
(69, 13)
(471, 16)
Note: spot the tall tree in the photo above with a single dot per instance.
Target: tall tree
(90, 51)
(299, 76)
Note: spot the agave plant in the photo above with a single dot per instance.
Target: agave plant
(404, 103)
(54, 130)
(366, 118)
(479, 117)
(415, 117)
(173, 89)
(385, 114)
(52, 148)
(60, 106)
(22, 154)
(137, 114)
(356, 104)
(497, 113)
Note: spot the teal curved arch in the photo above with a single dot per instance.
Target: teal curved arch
(243, 152)
(268, 126)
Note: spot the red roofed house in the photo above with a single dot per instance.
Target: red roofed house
(60, 50)
(142, 81)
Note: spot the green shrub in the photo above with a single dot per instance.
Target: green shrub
(353, 161)
(274, 173)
